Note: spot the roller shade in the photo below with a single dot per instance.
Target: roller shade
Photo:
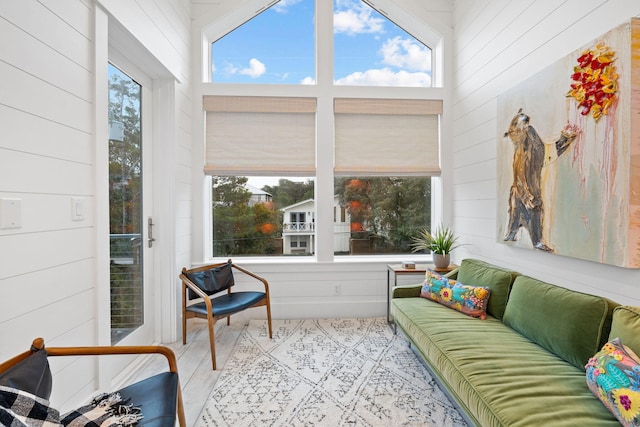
(260, 135)
(381, 137)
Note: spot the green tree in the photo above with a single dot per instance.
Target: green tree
(125, 169)
(232, 219)
(389, 208)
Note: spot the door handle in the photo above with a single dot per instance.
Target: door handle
(150, 225)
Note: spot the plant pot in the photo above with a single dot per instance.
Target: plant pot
(441, 261)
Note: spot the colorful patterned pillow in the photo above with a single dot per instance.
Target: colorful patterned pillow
(613, 376)
(466, 299)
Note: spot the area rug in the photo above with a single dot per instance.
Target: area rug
(329, 372)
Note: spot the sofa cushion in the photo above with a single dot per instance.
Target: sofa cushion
(567, 323)
(469, 300)
(613, 376)
(626, 326)
(474, 272)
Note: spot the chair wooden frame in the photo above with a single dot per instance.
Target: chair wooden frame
(38, 344)
(210, 317)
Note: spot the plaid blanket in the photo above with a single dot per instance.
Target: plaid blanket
(21, 409)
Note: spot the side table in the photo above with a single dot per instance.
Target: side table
(397, 269)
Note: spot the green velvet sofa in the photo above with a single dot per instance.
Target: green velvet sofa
(524, 364)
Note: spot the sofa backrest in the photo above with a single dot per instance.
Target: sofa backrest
(474, 272)
(626, 326)
(570, 324)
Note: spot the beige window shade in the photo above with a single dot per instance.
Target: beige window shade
(386, 137)
(260, 135)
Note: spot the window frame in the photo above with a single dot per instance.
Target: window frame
(325, 92)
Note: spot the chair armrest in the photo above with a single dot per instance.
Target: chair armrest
(104, 350)
(255, 276)
(406, 291)
(186, 283)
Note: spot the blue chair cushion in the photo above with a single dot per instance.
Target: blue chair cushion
(229, 303)
(157, 397)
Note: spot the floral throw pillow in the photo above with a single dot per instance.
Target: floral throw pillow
(613, 376)
(469, 300)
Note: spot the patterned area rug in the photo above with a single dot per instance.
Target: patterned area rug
(329, 372)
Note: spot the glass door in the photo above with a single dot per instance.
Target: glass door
(130, 225)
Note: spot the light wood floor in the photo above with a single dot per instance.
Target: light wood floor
(194, 362)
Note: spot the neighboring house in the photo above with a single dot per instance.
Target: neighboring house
(298, 227)
(257, 195)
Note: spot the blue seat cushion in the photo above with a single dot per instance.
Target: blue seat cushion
(229, 303)
(157, 397)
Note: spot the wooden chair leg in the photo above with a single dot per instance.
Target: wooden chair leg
(182, 421)
(212, 341)
(184, 314)
(269, 320)
(184, 329)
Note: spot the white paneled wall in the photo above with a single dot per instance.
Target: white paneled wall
(48, 265)
(497, 44)
(46, 156)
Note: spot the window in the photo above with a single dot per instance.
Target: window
(125, 207)
(384, 213)
(276, 46)
(370, 50)
(378, 150)
(244, 226)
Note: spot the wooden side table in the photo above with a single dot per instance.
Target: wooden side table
(397, 270)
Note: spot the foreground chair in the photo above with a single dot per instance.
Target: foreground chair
(158, 396)
(200, 284)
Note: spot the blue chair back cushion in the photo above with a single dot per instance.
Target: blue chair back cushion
(213, 280)
(32, 375)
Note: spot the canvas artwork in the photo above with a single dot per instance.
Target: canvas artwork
(569, 154)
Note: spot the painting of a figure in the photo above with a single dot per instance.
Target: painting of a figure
(525, 197)
(569, 154)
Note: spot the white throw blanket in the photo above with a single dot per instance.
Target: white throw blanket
(20, 409)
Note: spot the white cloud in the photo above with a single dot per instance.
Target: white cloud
(308, 81)
(407, 54)
(230, 69)
(386, 77)
(282, 5)
(357, 19)
(256, 69)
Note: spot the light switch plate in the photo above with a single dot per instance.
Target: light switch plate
(77, 209)
(10, 213)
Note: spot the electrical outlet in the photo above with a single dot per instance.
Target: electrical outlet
(10, 213)
(336, 289)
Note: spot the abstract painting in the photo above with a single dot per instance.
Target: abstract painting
(569, 154)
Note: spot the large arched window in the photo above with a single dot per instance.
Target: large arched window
(321, 123)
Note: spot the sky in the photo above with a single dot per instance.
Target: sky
(277, 46)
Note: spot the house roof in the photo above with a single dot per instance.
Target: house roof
(256, 190)
(295, 205)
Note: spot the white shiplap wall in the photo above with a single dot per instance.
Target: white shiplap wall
(497, 44)
(48, 266)
(46, 157)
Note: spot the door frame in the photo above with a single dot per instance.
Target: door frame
(110, 35)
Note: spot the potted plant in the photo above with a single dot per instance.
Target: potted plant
(440, 242)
